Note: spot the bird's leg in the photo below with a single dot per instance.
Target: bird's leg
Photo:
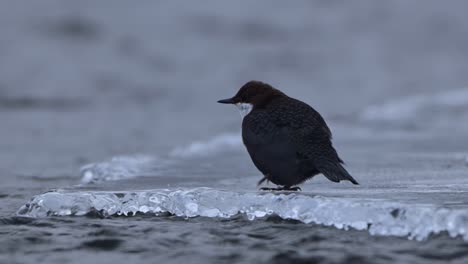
(270, 189)
(284, 188)
(262, 181)
(294, 189)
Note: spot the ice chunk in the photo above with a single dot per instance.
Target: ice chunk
(407, 108)
(122, 167)
(378, 216)
(215, 145)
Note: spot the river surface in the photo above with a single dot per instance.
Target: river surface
(114, 150)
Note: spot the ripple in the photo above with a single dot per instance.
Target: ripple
(102, 244)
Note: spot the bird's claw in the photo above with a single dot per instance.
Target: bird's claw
(268, 189)
(293, 189)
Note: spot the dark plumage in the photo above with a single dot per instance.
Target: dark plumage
(288, 141)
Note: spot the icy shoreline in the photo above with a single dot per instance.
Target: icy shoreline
(377, 216)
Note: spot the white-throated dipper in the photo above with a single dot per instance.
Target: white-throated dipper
(288, 140)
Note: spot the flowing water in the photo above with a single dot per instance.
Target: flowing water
(114, 149)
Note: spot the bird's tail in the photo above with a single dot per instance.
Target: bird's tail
(334, 171)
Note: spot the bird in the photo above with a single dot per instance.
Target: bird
(288, 141)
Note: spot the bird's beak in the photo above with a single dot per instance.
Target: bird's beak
(227, 101)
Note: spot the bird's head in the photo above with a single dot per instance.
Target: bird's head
(251, 95)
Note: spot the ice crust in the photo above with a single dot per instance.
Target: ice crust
(378, 216)
(407, 108)
(121, 167)
(214, 145)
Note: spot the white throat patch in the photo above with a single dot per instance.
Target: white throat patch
(244, 108)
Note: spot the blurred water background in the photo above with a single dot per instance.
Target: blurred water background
(109, 119)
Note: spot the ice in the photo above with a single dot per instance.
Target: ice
(377, 216)
(411, 107)
(122, 167)
(223, 142)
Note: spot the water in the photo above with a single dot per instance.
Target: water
(114, 148)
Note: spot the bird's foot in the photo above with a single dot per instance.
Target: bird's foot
(269, 189)
(293, 189)
(262, 181)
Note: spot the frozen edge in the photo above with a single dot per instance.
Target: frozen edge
(378, 217)
(407, 107)
(122, 167)
(226, 141)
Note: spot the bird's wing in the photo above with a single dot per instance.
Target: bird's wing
(317, 152)
(312, 141)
